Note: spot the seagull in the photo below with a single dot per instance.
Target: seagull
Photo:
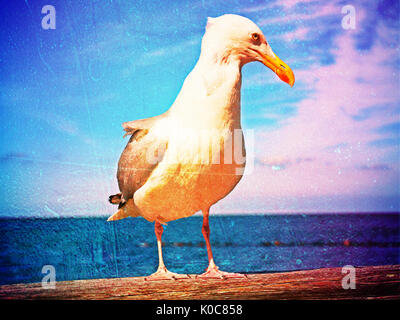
(185, 160)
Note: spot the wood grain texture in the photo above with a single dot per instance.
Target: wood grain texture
(374, 282)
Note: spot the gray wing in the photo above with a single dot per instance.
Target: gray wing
(140, 157)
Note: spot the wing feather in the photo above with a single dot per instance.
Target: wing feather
(140, 157)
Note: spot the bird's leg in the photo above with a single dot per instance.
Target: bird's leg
(213, 271)
(162, 273)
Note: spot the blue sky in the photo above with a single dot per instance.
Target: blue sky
(330, 143)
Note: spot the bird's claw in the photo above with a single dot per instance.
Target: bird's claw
(163, 274)
(213, 272)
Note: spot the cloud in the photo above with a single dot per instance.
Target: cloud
(282, 163)
(274, 163)
(390, 128)
(375, 111)
(297, 35)
(376, 167)
(13, 156)
(173, 49)
(289, 15)
(385, 143)
(256, 8)
(287, 5)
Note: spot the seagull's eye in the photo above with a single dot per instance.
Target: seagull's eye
(255, 36)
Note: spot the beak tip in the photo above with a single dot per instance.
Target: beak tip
(282, 70)
(291, 79)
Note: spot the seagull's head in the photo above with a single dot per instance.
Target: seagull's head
(235, 38)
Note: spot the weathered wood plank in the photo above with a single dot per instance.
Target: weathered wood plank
(376, 282)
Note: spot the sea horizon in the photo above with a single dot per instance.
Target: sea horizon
(199, 214)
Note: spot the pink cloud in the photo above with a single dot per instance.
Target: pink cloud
(286, 4)
(289, 15)
(356, 80)
(298, 34)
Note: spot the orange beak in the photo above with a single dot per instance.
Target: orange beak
(282, 70)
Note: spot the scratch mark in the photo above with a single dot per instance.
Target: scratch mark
(39, 41)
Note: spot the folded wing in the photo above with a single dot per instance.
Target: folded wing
(141, 155)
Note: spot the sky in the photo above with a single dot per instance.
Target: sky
(329, 144)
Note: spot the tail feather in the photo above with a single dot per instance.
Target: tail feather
(129, 209)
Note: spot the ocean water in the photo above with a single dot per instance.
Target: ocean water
(89, 248)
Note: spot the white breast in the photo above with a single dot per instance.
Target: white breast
(199, 167)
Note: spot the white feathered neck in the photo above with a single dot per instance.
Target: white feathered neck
(210, 95)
